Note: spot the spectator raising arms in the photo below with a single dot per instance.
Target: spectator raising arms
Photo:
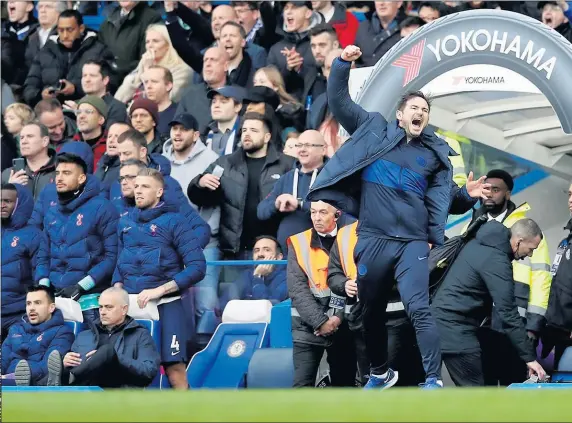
(159, 51)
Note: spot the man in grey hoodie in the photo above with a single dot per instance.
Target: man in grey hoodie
(189, 157)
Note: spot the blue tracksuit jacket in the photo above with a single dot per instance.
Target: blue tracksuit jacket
(81, 241)
(175, 194)
(156, 246)
(20, 245)
(399, 190)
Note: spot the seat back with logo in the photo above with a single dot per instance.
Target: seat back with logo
(71, 311)
(224, 362)
(148, 317)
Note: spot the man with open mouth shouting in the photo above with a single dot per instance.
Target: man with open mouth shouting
(396, 177)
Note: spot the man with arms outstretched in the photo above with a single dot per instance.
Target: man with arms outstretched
(397, 178)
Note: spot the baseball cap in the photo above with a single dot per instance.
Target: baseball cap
(541, 4)
(229, 91)
(185, 119)
(261, 94)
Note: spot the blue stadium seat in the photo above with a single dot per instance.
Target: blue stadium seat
(281, 325)
(224, 362)
(154, 329)
(76, 327)
(271, 368)
(564, 372)
(360, 16)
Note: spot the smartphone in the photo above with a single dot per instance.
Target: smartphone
(218, 171)
(18, 164)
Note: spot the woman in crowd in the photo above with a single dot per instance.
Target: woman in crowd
(15, 117)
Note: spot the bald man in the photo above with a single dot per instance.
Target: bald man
(316, 313)
(285, 202)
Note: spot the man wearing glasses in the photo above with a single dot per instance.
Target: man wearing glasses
(91, 116)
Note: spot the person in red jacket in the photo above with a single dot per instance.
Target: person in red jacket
(344, 22)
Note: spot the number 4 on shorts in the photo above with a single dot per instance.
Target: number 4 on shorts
(175, 343)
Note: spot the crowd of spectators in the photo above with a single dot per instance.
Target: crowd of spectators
(226, 101)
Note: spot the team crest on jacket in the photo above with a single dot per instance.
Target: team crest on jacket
(15, 241)
(39, 338)
(79, 221)
(153, 228)
(52, 203)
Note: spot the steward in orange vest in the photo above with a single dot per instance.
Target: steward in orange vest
(317, 314)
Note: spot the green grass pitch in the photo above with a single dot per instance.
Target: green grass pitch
(310, 405)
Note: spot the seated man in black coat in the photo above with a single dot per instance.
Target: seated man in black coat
(113, 353)
(480, 276)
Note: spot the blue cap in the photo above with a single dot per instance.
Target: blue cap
(185, 119)
(229, 91)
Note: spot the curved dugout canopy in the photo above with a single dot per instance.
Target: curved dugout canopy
(497, 77)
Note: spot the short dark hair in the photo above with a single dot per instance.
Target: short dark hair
(134, 136)
(71, 13)
(104, 67)
(323, 28)
(72, 158)
(412, 21)
(503, 175)
(48, 105)
(413, 94)
(236, 25)
(44, 132)
(252, 5)
(8, 186)
(430, 5)
(270, 237)
(133, 162)
(257, 116)
(49, 290)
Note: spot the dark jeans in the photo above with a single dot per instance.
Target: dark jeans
(341, 358)
(380, 263)
(502, 364)
(465, 369)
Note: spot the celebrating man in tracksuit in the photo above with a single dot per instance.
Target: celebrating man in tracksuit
(401, 176)
(160, 257)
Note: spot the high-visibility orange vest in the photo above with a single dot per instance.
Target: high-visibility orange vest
(313, 261)
(347, 240)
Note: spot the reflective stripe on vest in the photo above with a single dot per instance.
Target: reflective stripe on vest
(391, 307)
(347, 240)
(314, 263)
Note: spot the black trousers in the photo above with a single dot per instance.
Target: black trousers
(465, 369)
(341, 358)
(501, 363)
(403, 352)
(101, 369)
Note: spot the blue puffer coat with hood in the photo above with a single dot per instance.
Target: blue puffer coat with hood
(81, 242)
(173, 192)
(20, 245)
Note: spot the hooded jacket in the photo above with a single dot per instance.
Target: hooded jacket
(183, 171)
(134, 348)
(34, 343)
(55, 62)
(156, 246)
(81, 241)
(20, 245)
(299, 40)
(48, 198)
(173, 192)
(39, 179)
(480, 276)
(415, 206)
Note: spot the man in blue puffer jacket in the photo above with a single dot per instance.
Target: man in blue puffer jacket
(396, 177)
(49, 196)
(31, 342)
(20, 244)
(79, 252)
(159, 258)
(132, 145)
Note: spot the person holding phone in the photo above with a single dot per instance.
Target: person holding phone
(37, 166)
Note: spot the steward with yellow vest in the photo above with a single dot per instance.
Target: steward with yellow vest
(317, 315)
(532, 286)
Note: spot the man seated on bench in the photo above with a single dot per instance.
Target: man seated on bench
(34, 342)
(160, 257)
(115, 352)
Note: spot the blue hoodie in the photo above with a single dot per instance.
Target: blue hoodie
(173, 194)
(81, 242)
(34, 343)
(49, 195)
(156, 246)
(20, 245)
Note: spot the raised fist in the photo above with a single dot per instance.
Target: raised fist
(351, 53)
